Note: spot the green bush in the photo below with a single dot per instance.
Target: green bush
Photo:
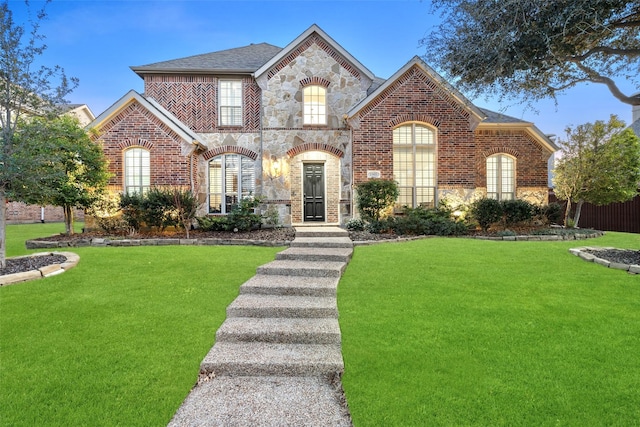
(486, 212)
(374, 196)
(243, 217)
(212, 223)
(428, 221)
(132, 213)
(384, 225)
(355, 224)
(553, 213)
(515, 211)
(158, 208)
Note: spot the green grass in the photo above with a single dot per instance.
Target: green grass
(465, 332)
(118, 339)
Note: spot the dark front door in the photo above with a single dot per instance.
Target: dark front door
(313, 192)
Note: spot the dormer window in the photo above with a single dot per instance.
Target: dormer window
(315, 105)
(230, 102)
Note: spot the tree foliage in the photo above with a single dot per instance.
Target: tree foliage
(72, 168)
(600, 164)
(25, 90)
(537, 48)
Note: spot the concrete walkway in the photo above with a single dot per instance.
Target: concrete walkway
(277, 359)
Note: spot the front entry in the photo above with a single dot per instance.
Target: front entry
(313, 187)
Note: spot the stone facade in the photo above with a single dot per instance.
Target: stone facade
(177, 121)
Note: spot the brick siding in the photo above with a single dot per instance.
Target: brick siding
(134, 126)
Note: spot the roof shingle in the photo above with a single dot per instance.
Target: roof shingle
(246, 59)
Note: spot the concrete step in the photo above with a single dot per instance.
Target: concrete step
(266, 284)
(252, 305)
(316, 254)
(279, 330)
(321, 232)
(264, 401)
(321, 242)
(303, 268)
(258, 358)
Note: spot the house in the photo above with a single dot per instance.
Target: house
(302, 125)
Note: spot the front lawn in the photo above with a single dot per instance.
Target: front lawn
(466, 332)
(435, 332)
(118, 339)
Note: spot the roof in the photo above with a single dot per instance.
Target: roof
(494, 119)
(241, 60)
(154, 108)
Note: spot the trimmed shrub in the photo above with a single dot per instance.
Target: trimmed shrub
(375, 196)
(355, 224)
(486, 212)
(132, 213)
(515, 211)
(243, 217)
(212, 223)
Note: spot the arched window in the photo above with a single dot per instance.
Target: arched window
(137, 171)
(231, 178)
(315, 105)
(501, 177)
(414, 165)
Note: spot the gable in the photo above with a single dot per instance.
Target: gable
(313, 36)
(142, 111)
(435, 88)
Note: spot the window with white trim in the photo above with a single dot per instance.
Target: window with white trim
(414, 165)
(315, 105)
(231, 179)
(137, 171)
(230, 103)
(501, 177)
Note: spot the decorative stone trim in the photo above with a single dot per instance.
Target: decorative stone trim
(47, 271)
(315, 146)
(542, 237)
(581, 253)
(99, 242)
(135, 143)
(315, 80)
(230, 149)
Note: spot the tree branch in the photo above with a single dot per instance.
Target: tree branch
(608, 51)
(596, 77)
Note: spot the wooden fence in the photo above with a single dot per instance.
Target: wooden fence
(614, 217)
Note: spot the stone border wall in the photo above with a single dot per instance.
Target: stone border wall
(580, 252)
(99, 242)
(47, 271)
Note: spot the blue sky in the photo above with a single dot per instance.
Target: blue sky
(97, 41)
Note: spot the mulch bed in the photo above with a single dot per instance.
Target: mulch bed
(20, 265)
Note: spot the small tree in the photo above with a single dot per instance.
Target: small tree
(75, 166)
(374, 196)
(186, 205)
(24, 90)
(600, 165)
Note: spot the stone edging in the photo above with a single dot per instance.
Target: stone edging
(47, 271)
(580, 252)
(543, 237)
(523, 238)
(99, 242)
